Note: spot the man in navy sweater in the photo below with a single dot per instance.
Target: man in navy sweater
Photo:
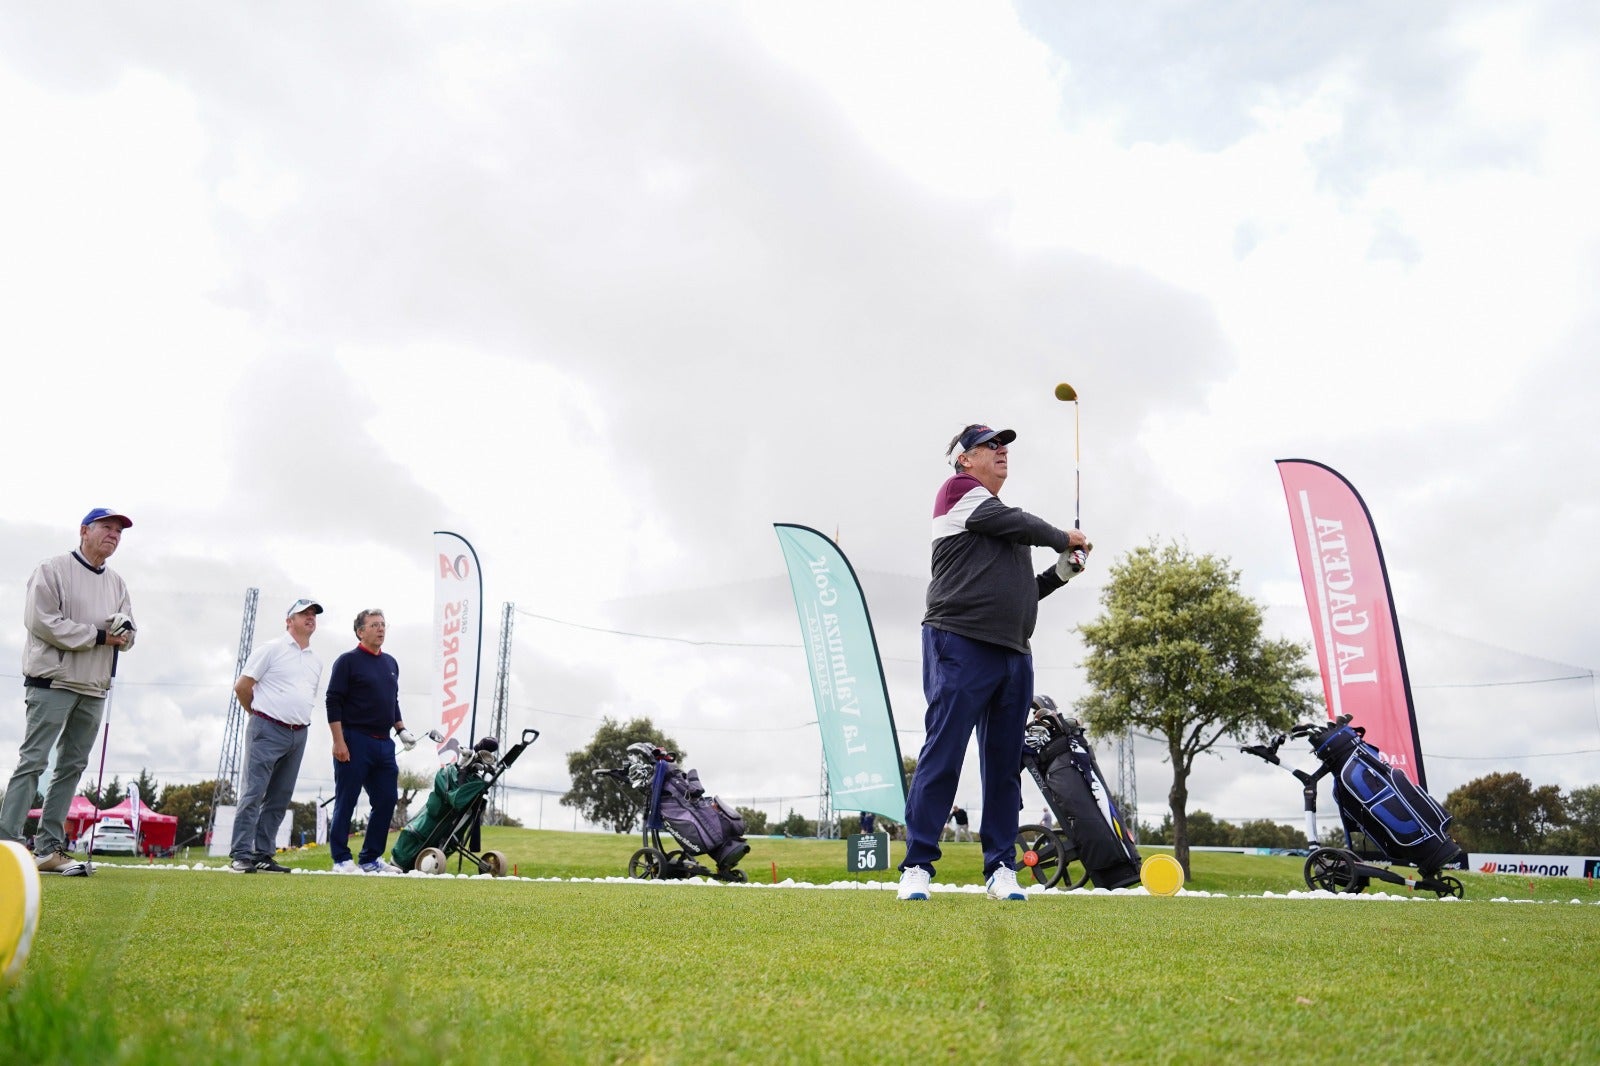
(363, 709)
(977, 665)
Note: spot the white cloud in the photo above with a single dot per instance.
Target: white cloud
(610, 289)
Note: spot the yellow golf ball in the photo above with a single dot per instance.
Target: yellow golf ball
(1161, 875)
(19, 907)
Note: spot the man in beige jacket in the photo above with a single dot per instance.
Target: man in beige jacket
(78, 618)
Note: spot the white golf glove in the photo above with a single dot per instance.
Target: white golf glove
(119, 625)
(408, 740)
(1071, 563)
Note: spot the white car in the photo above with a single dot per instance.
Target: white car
(111, 836)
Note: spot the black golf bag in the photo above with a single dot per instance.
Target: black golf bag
(1058, 755)
(1401, 822)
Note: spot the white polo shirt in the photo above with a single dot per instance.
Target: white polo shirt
(286, 677)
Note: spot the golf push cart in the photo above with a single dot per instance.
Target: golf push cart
(676, 802)
(1398, 821)
(460, 792)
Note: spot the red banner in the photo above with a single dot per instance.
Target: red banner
(1355, 630)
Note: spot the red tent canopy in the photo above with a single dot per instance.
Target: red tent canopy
(81, 813)
(155, 830)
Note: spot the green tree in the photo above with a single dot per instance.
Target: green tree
(1505, 813)
(1178, 652)
(796, 825)
(410, 783)
(109, 796)
(1581, 834)
(601, 799)
(149, 788)
(1206, 830)
(755, 822)
(191, 805)
(1265, 833)
(303, 821)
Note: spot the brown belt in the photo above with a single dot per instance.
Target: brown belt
(274, 721)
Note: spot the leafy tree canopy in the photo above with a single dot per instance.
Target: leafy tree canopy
(605, 800)
(1581, 834)
(1178, 652)
(192, 804)
(111, 795)
(755, 822)
(1505, 813)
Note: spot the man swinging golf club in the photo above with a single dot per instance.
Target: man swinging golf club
(977, 668)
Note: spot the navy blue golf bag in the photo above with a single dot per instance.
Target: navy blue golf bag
(704, 825)
(1402, 822)
(1058, 755)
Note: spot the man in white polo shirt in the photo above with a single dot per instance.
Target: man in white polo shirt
(277, 690)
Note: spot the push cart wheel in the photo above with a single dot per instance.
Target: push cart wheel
(737, 877)
(495, 864)
(1038, 855)
(431, 861)
(1333, 870)
(647, 864)
(1452, 887)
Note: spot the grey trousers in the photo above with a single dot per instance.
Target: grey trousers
(67, 722)
(271, 766)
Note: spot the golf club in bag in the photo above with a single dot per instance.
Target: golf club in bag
(1396, 820)
(700, 824)
(1092, 843)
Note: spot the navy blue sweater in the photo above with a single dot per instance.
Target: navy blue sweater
(364, 692)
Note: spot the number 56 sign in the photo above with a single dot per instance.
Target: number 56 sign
(867, 852)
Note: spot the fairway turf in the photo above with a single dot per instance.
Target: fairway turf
(145, 966)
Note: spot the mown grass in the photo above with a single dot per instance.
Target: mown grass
(140, 966)
(552, 853)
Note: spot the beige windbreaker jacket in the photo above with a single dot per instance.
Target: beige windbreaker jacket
(68, 603)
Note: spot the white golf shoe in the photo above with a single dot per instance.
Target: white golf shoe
(914, 883)
(1003, 885)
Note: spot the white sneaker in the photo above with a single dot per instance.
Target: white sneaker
(380, 865)
(1003, 885)
(914, 882)
(347, 867)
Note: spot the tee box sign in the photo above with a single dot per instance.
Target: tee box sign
(868, 853)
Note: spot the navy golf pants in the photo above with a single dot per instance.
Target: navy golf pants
(969, 684)
(372, 766)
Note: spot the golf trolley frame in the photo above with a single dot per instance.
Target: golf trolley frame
(451, 836)
(1333, 869)
(654, 861)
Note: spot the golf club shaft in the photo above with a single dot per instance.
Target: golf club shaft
(105, 740)
(1077, 469)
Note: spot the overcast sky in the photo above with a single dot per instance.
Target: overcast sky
(609, 288)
